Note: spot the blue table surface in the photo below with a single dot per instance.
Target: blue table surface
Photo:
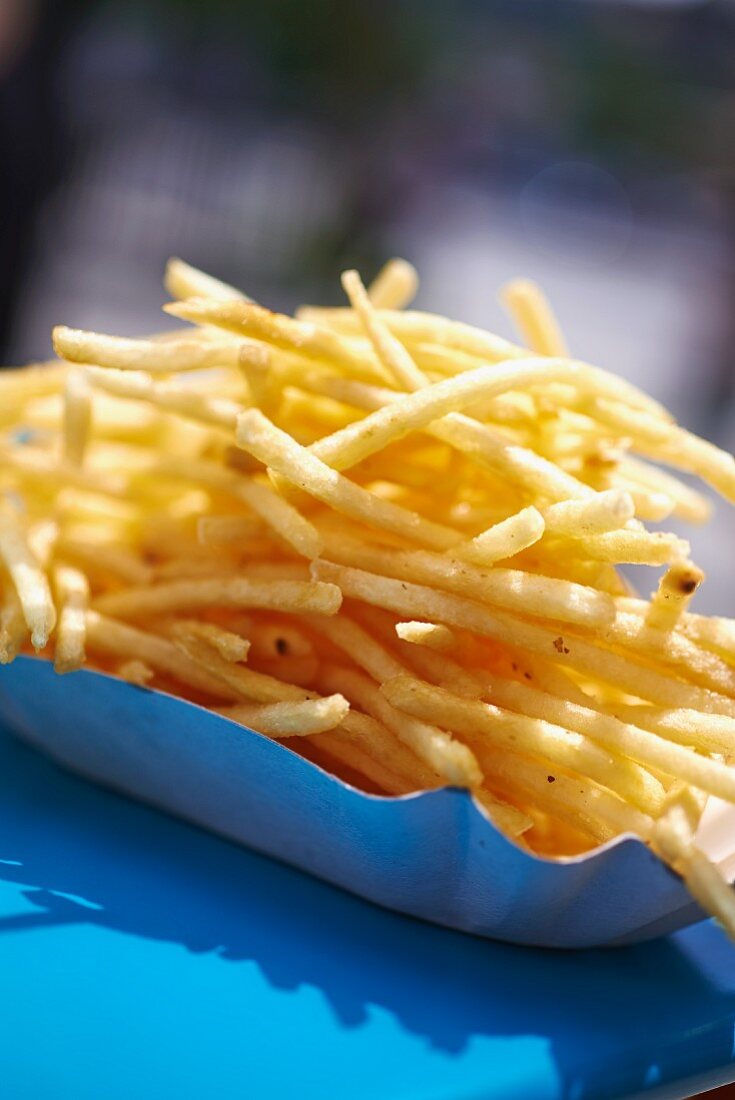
(141, 957)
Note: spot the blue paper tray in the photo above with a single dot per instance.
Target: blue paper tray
(432, 855)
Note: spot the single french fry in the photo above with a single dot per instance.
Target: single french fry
(388, 349)
(230, 646)
(634, 547)
(43, 537)
(13, 628)
(28, 578)
(77, 417)
(225, 591)
(277, 570)
(675, 591)
(504, 539)
(260, 381)
(72, 594)
(184, 281)
(135, 672)
(532, 313)
(395, 285)
(606, 511)
(706, 732)
(153, 356)
(290, 718)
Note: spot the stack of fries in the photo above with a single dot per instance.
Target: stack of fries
(390, 540)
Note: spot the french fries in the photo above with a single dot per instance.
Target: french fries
(392, 539)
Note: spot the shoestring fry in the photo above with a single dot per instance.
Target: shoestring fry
(390, 540)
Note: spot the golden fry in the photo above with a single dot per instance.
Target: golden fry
(72, 594)
(28, 578)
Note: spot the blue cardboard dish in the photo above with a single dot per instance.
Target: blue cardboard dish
(433, 854)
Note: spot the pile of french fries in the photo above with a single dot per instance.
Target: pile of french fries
(390, 540)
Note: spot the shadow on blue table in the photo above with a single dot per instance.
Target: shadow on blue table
(667, 1004)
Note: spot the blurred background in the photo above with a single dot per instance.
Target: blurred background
(589, 144)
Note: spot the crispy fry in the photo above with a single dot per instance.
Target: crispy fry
(13, 628)
(395, 285)
(607, 511)
(28, 578)
(389, 350)
(290, 718)
(504, 539)
(72, 594)
(276, 595)
(231, 647)
(154, 356)
(675, 591)
(135, 672)
(534, 318)
(184, 281)
(77, 417)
